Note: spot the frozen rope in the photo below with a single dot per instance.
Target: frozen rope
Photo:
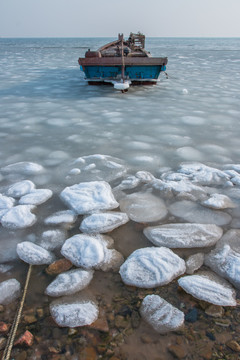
(12, 334)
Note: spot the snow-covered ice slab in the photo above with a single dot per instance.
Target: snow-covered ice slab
(219, 202)
(183, 235)
(52, 239)
(20, 188)
(195, 213)
(143, 207)
(61, 217)
(24, 167)
(70, 282)
(226, 263)
(19, 217)
(194, 262)
(103, 222)
(88, 197)
(34, 254)
(209, 287)
(151, 267)
(6, 202)
(145, 176)
(36, 197)
(130, 182)
(74, 311)
(161, 315)
(183, 187)
(10, 290)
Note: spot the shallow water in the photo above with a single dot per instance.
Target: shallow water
(50, 116)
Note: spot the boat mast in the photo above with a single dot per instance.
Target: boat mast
(122, 54)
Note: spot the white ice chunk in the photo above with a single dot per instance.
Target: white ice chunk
(130, 182)
(36, 197)
(143, 207)
(87, 197)
(34, 254)
(172, 188)
(151, 267)
(231, 238)
(145, 176)
(219, 201)
(6, 202)
(69, 282)
(74, 171)
(19, 217)
(183, 235)
(209, 287)
(61, 217)
(10, 290)
(20, 188)
(24, 167)
(103, 222)
(194, 262)
(52, 239)
(196, 213)
(74, 311)
(161, 315)
(226, 263)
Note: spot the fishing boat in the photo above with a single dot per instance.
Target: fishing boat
(122, 63)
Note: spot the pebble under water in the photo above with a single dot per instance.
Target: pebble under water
(90, 177)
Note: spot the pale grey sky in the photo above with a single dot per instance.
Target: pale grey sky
(83, 18)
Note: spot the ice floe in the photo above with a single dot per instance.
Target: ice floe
(103, 222)
(70, 282)
(183, 235)
(52, 239)
(19, 217)
(20, 188)
(34, 254)
(10, 290)
(151, 267)
(185, 188)
(231, 238)
(143, 207)
(219, 202)
(161, 315)
(24, 167)
(36, 197)
(209, 287)
(6, 202)
(88, 197)
(61, 217)
(194, 262)
(73, 311)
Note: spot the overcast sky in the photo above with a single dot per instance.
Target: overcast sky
(87, 18)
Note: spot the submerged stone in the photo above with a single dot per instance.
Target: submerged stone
(69, 282)
(74, 311)
(20, 188)
(34, 254)
(183, 235)
(19, 217)
(151, 267)
(103, 222)
(10, 290)
(209, 287)
(161, 315)
(36, 197)
(88, 197)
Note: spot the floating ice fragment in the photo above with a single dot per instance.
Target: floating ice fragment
(183, 235)
(226, 263)
(173, 188)
(34, 254)
(25, 168)
(209, 287)
(74, 311)
(52, 239)
(151, 267)
(69, 282)
(103, 222)
(130, 182)
(185, 91)
(36, 197)
(231, 238)
(196, 213)
(61, 217)
(219, 202)
(161, 315)
(9, 291)
(189, 153)
(19, 217)
(88, 197)
(74, 171)
(143, 207)
(6, 202)
(194, 262)
(145, 176)
(20, 188)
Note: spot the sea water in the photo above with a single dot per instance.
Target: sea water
(50, 116)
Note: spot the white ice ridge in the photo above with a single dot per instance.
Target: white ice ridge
(24, 167)
(183, 235)
(226, 263)
(103, 222)
(69, 282)
(34, 254)
(143, 207)
(61, 217)
(88, 197)
(73, 311)
(10, 290)
(209, 287)
(20, 188)
(161, 315)
(151, 267)
(19, 217)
